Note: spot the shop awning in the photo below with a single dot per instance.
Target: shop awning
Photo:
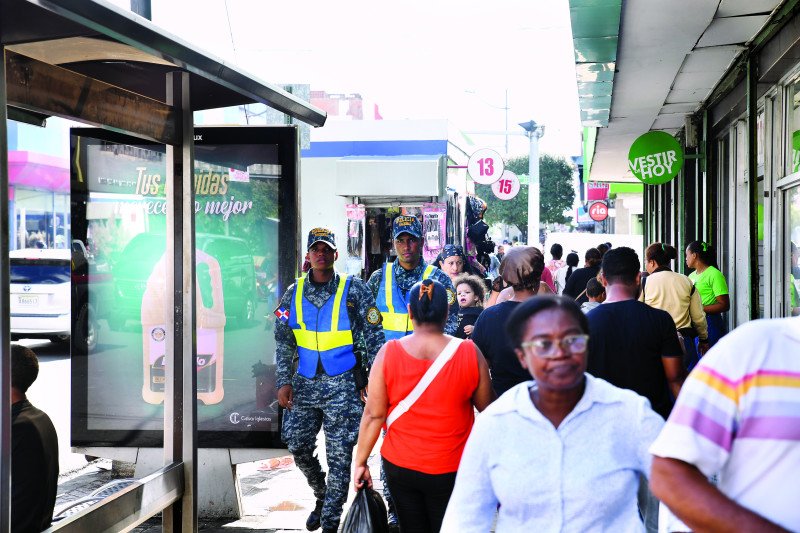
(124, 50)
(668, 58)
(396, 177)
(38, 171)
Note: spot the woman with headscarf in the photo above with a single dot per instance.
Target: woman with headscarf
(425, 435)
(563, 452)
(453, 262)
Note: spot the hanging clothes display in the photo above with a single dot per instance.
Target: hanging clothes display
(434, 230)
(356, 245)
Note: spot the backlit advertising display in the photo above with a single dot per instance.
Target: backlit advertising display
(245, 181)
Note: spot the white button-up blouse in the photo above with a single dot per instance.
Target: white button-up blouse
(582, 476)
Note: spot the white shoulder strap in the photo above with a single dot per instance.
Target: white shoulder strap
(406, 403)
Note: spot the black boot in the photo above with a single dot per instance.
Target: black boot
(312, 524)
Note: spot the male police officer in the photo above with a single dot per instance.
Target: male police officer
(331, 324)
(391, 284)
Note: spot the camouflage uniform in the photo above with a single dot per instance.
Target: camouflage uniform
(330, 402)
(406, 279)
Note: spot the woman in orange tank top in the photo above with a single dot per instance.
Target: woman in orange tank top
(423, 446)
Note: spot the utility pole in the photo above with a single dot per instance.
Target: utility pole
(505, 108)
(534, 132)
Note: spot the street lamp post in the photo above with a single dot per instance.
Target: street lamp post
(534, 132)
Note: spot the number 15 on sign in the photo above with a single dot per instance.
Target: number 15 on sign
(507, 187)
(485, 166)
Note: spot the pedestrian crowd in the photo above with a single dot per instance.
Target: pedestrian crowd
(608, 397)
(571, 390)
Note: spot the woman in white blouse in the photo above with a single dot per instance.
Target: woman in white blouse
(563, 452)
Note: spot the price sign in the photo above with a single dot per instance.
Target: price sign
(507, 187)
(598, 211)
(485, 166)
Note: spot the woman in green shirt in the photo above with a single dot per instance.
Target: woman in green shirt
(711, 286)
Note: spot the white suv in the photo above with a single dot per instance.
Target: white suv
(40, 294)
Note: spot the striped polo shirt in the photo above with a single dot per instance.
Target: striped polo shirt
(738, 415)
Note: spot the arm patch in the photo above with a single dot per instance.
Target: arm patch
(374, 316)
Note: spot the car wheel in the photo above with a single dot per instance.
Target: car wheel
(60, 339)
(86, 332)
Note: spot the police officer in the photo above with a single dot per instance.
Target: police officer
(391, 285)
(329, 324)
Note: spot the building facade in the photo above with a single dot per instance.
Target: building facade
(725, 81)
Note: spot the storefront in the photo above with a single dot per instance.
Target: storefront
(38, 201)
(373, 171)
(727, 86)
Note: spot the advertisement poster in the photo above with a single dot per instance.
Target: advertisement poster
(434, 230)
(121, 222)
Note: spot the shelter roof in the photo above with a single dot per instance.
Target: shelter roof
(110, 44)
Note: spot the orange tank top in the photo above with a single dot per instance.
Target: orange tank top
(431, 435)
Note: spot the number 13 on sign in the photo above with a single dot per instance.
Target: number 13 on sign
(485, 166)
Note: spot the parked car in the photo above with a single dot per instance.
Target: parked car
(89, 295)
(40, 294)
(134, 265)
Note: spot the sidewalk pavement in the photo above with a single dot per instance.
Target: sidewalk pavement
(275, 495)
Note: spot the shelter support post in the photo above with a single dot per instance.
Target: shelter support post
(180, 399)
(5, 359)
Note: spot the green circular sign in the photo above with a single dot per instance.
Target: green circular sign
(655, 157)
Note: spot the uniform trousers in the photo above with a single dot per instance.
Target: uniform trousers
(333, 404)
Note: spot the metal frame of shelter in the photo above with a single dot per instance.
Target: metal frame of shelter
(92, 62)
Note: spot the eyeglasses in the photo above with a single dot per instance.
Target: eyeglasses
(548, 348)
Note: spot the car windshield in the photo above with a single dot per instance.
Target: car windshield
(40, 271)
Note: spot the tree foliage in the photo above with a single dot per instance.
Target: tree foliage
(556, 188)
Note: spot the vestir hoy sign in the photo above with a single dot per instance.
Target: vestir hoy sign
(655, 158)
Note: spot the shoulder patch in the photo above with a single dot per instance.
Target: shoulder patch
(374, 316)
(451, 296)
(282, 313)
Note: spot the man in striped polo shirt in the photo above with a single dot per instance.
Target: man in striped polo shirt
(737, 416)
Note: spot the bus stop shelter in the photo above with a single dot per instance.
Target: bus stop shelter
(89, 61)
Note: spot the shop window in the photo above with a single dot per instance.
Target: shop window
(40, 219)
(723, 203)
(793, 233)
(794, 128)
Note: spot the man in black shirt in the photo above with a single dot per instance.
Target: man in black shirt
(34, 450)
(576, 284)
(631, 344)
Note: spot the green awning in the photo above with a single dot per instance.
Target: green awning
(595, 36)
